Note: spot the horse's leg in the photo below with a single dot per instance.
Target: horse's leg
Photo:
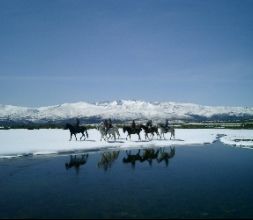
(85, 135)
(70, 136)
(108, 136)
(105, 137)
(82, 136)
(75, 136)
(157, 133)
(146, 136)
(139, 136)
(152, 136)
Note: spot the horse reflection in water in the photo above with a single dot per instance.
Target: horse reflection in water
(107, 159)
(76, 161)
(132, 158)
(162, 154)
(165, 156)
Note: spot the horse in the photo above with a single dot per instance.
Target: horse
(112, 132)
(164, 130)
(152, 130)
(130, 130)
(102, 130)
(74, 130)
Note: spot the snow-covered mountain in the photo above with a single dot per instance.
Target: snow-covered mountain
(123, 110)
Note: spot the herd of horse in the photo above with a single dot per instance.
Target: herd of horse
(113, 132)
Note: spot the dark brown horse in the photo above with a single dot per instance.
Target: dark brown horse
(130, 130)
(150, 130)
(77, 129)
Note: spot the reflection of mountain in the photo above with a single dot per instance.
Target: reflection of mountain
(149, 155)
(107, 159)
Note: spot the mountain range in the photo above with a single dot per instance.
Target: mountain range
(122, 110)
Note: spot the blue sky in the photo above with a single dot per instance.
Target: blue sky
(53, 52)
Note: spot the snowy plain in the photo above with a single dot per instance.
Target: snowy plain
(20, 142)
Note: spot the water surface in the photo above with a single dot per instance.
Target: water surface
(205, 181)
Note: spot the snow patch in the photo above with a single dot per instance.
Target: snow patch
(21, 142)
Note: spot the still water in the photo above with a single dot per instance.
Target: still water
(204, 181)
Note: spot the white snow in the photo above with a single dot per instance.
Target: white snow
(243, 138)
(123, 110)
(18, 142)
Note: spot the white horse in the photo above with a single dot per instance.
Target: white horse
(164, 130)
(112, 132)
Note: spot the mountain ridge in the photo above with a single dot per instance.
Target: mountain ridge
(124, 110)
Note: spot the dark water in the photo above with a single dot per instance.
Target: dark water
(210, 181)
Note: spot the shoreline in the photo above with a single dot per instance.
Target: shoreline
(22, 142)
